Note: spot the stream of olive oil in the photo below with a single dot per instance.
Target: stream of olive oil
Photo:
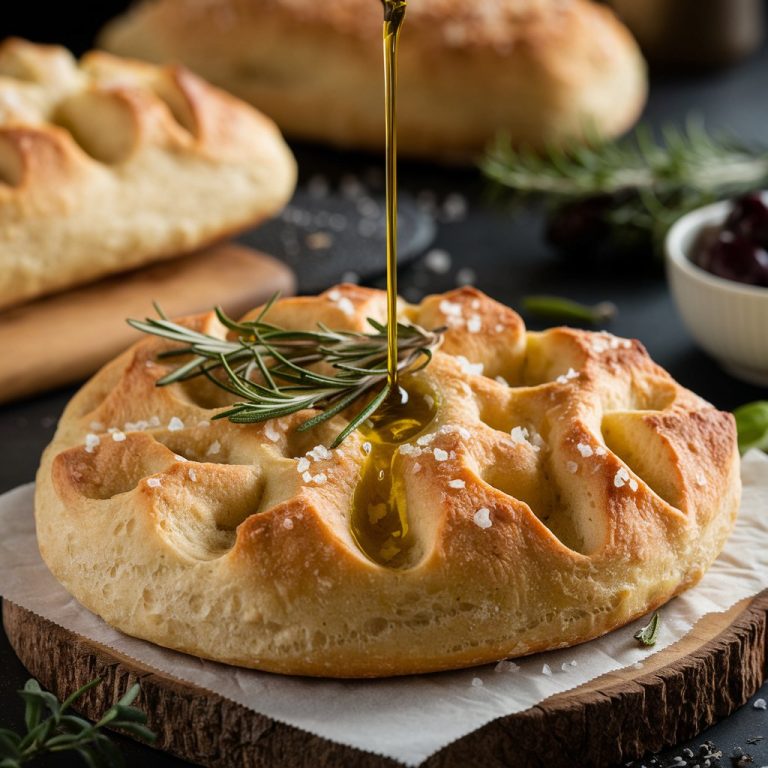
(379, 517)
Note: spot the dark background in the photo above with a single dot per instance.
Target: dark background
(506, 251)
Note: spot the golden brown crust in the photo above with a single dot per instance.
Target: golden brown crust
(608, 489)
(540, 71)
(108, 164)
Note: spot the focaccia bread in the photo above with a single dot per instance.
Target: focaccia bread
(109, 164)
(539, 71)
(566, 486)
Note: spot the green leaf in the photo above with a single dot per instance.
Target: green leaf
(137, 729)
(648, 635)
(752, 425)
(566, 309)
(9, 744)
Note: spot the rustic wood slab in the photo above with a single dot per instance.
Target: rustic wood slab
(616, 718)
(63, 338)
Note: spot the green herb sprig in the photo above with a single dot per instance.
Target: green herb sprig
(643, 183)
(557, 307)
(270, 368)
(752, 425)
(62, 731)
(649, 634)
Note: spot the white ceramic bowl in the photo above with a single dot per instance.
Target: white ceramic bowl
(729, 320)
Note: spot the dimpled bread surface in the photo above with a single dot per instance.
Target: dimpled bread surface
(108, 164)
(595, 488)
(539, 71)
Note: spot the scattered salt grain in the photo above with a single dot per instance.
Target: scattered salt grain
(621, 478)
(477, 682)
(464, 432)
(454, 207)
(466, 276)
(506, 666)
(307, 477)
(175, 424)
(474, 324)
(350, 277)
(214, 448)
(288, 523)
(367, 447)
(319, 453)
(153, 482)
(546, 670)
(700, 479)
(192, 475)
(425, 439)
(456, 484)
(179, 458)
(566, 377)
(760, 704)
(409, 450)
(572, 467)
(346, 306)
(91, 441)
(204, 424)
(502, 380)
(320, 478)
(154, 421)
(585, 450)
(96, 426)
(482, 518)
(473, 369)
(600, 451)
(271, 433)
(303, 465)
(638, 665)
(334, 295)
(451, 308)
(499, 327)
(565, 667)
(438, 261)
(440, 454)
(118, 436)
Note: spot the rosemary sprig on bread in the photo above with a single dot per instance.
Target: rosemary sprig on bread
(277, 372)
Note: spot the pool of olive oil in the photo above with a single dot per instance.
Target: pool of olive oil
(379, 517)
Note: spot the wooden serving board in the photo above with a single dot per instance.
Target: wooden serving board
(63, 338)
(618, 717)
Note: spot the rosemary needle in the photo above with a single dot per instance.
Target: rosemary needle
(275, 372)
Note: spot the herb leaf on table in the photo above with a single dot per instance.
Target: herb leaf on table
(752, 425)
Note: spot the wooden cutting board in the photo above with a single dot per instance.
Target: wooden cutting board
(63, 338)
(620, 716)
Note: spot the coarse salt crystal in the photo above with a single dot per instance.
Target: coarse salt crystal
(474, 324)
(214, 448)
(466, 276)
(288, 523)
(475, 304)
(473, 369)
(621, 478)
(477, 682)
(425, 439)
(306, 477)
(499, 327)
(192, 475)
(319, 453)
(760, 704)
(346, 306)
(334, 295)
(91, 441)
(303, 465)
(154, 421)
(546, 670)
(482, 518)
(501, 380)
(464, 432)
(632, 484)
(565, 666)
(320, 478)
(456, 484)
(118, 436)
(153, 482)
(438, 261)
(175, 424)
(440, 454)
(566, 377)
(416, 468)
(367, 447)
(179, 458)
(638, 665)
(700, 479)
(600, 451)
(450, 308)
(271, 433)
(585, 450)
(572, 467)
(350, 277)
(506, 666)
(454, 207)
(409, 450)
(96, 426)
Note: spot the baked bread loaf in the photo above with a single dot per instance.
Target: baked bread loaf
(109, 164)
(566, 486)
(540, 71)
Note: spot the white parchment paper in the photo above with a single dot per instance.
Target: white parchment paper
(407, 719)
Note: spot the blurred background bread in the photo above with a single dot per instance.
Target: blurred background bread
(541, 71)
(108, 164)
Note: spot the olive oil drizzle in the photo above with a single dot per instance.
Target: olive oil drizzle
(379, 516)
(394, 14)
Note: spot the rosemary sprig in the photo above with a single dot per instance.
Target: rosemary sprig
(638, 184)
(275, 372)
(64, 732)
(648, 635)
(566, 309)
